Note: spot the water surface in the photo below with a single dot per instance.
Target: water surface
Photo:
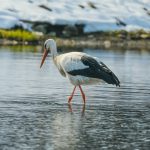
(34, 113)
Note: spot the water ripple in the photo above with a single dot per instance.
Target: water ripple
(34, 112)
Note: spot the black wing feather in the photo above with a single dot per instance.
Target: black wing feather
(96, 70)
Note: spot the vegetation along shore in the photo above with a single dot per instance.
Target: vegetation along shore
(109, 39)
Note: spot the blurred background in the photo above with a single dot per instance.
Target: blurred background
(88, 23)
(34, 113)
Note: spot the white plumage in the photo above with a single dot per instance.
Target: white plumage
(79, 68)
(72, 61)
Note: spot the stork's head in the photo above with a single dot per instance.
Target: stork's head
(49, 45)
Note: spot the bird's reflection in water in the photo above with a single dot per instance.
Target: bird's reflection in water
(66, 127)
(71, 110)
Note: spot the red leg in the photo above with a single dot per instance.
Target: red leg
(83, 95)
(70, 97)
(83, 109)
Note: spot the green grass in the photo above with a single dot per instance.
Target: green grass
(137, 34)
(19, 35)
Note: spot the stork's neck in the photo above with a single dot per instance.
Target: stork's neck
(54, 51)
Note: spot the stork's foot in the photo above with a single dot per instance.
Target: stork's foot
(69, 99)
(70, 107)
(83, 109)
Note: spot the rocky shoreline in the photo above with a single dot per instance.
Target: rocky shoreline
(81, 42)
(105, 43)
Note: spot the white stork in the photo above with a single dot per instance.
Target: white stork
(79, 68)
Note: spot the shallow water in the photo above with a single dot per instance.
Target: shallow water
(34, 113)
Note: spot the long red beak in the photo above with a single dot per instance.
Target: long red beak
(44, 57)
